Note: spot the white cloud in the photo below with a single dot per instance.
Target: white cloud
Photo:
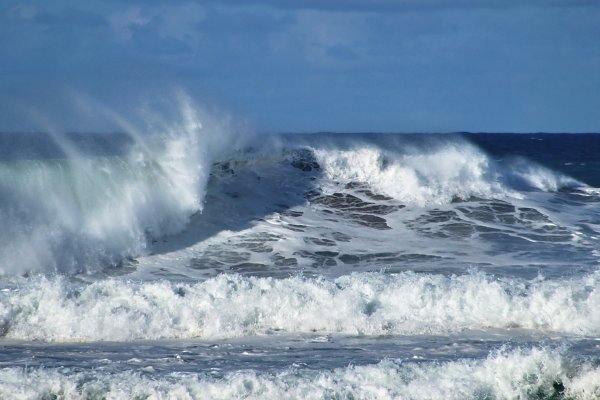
(25, 12)
(182, 22)
(179, 21)
(122, 22)
(385, 6)
(325, 38)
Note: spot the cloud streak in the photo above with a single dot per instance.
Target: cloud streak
(404, 5)
(328, 65)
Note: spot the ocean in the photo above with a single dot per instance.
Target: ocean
(194, 263)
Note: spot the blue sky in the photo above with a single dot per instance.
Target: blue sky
(314, 65)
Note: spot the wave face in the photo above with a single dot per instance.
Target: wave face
(531, 374)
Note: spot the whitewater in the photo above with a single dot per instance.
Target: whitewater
(184, 258)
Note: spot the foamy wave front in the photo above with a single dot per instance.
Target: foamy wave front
(522, 374)
(234, 306)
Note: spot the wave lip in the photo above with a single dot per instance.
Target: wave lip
(535, 373)
(358, 304)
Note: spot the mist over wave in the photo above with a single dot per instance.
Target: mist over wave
(71, 210)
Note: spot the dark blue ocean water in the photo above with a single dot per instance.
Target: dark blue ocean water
(575, 155)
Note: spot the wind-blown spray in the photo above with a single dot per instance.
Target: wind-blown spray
(79, 212)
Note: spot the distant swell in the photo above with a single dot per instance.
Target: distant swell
(533, 374)
(358, 304)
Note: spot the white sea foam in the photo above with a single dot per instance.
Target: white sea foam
(518, 374)
(234, 306)
(435, 176)
(420, 178)
(81, 213)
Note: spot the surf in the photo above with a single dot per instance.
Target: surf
(231, 305)
(541, 373)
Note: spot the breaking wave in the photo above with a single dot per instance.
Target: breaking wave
(445, 171)
(82, 213)
(75, 212)
(357, 304)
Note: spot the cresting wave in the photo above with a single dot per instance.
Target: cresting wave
(524, 374)
(421, 179)
(436, 176)
(79, 212)
(357, 304)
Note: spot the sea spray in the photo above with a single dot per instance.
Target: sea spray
(82, 213)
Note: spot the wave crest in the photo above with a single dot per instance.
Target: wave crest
(437, 172)
(425, 178)
(81, 213)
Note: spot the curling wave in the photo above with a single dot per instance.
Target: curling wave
(80, 212)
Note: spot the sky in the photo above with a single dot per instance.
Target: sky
(312, 65)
